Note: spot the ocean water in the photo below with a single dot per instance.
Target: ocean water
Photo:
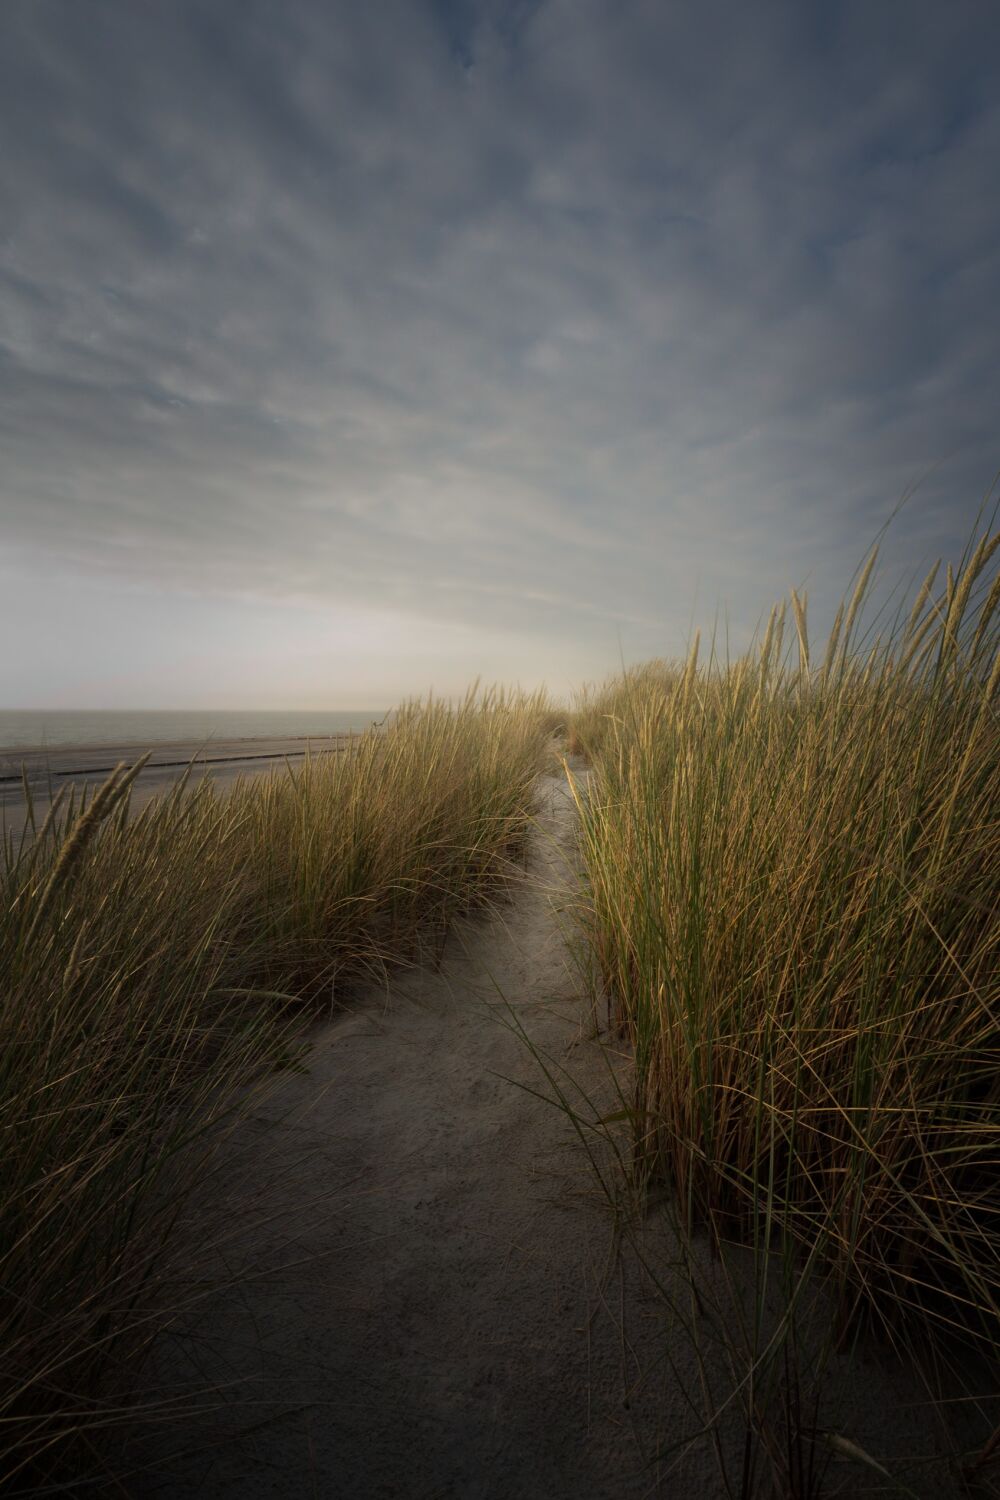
(25, 728)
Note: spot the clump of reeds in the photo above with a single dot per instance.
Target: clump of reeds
(794, 900)
(153, 966)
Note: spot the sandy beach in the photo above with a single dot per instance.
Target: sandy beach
(224, 761)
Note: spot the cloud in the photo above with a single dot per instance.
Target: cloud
(537, 317)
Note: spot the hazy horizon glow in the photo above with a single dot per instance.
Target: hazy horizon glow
(352, 352)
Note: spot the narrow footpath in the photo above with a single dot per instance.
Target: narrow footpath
(426, 1299)
(430, 1258)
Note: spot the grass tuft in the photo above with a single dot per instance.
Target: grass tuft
(156, 968)
(794, 902)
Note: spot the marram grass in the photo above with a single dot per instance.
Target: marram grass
(794, 901)
(153, 968)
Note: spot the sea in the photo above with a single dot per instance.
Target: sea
(29, 729)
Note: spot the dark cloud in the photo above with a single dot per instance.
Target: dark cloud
(539, 314)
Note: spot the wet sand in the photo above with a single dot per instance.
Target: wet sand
(47, 770)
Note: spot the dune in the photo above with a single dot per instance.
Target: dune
(423, 1291)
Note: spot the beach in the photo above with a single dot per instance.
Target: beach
(47, 769)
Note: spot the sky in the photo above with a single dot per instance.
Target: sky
(352, 350)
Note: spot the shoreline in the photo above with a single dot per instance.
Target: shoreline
(46, 759)
(225, 761)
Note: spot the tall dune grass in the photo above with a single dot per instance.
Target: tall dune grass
(156, 965)
(366, 859)
(794, 903)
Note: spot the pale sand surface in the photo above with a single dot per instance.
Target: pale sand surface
(224, 761)
(435, 1306)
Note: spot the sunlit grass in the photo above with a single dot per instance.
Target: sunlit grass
(156, 965)
(794, 903)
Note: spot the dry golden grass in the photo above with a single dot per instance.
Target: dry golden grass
(794, 899)
(156, 966)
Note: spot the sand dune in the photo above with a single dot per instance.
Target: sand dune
(428, 1299)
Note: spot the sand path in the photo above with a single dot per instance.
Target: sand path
(432, 1323)
(426, 1300)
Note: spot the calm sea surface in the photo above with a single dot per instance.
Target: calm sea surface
(23, 729)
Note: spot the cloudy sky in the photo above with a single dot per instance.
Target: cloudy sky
(350, 349)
